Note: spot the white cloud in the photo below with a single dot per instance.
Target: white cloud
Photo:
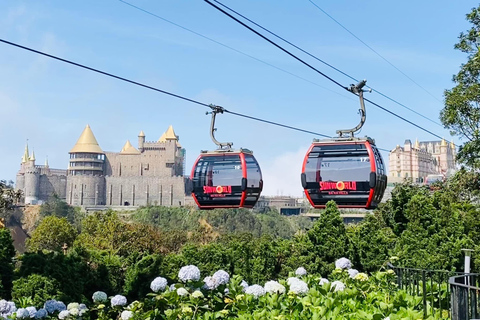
(281, 175)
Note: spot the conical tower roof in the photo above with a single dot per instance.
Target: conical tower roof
(443, 143)
(32, 157)
(168, 135)
(129, 149)
(141, 134)
(25, 156)
(87, 142)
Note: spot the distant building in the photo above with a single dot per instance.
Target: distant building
(419, 160)
(283, 204)
(152, 174)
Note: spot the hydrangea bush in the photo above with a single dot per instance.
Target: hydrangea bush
(344, 294)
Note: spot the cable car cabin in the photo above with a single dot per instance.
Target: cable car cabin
(350, 172)
(226, 179)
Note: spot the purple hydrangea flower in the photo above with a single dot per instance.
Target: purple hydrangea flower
(188, 273)
(352, 273)
(343, 263)
(221, 276)
(211, 283)
(158, 284)
(31, 311)
(119, 300)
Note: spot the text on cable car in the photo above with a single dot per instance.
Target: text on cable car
(217, 190)
(339, 185)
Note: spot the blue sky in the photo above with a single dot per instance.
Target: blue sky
(49, 102)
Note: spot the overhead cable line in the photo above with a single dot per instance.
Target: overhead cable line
(315, 69)
(374, 51)
(229, 47)
(159, 90)
(324, 62)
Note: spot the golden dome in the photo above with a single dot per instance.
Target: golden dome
(87, 142)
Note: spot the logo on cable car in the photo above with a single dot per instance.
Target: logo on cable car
(339, 185)
(217, 190)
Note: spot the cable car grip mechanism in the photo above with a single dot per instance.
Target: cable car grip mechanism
(224, 146)
(356, 89)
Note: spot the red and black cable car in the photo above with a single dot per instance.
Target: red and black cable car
(225, 178)
(350, 172)
(347, 170)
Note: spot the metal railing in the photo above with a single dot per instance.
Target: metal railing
(431, 285)
(465, 296)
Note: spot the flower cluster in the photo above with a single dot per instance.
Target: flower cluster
(343, 263)
(53, 305)
(118, 300)
(323, 281)
(300, 272)
(189, 273)
(158, 284)
(352, 273)
(361, 276)
(338, 286)
(274, 287)
(211, 283)
(222, 277)
(99, 297)
(7, 308)
(298, 286)
(255, 290)
(126, 315)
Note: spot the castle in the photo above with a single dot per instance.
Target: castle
(153, 174)
(419, 160)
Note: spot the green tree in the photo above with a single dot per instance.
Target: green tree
(7, 253)
(461, 113)
(38, 288)
(51, 234)
(55, 206)
(8, 198)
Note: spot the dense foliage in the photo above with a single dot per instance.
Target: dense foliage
(461, 113)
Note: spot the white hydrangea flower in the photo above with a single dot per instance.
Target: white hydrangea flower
(158, 284)
(74, 311)
(274, 287)
(221, 276)
(338, 286)
(119, 300)
(352, 273)
(72, 305)
(197, 294)
(98, 297)
(31, 311)
(255, 290)
(211, 283)
(244, 284)
(63, 314)
(13, 308)
(301, 272)
(172, 287)
(323, 281)
(188, 273)
(23, 313)
(292, 280)
(343, 263)
(299, 287)
(126, 314)
(4, 307)
(182, 292)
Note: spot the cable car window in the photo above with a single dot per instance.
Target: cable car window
(253, 172)
(339, 168)
(219, 171)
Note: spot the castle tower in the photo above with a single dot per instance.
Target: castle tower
(85, 176)
(141, 141)
(32, 179)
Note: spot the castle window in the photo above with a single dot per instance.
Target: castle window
(169, 164)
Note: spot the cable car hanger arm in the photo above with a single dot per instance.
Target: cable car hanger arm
(221, 145)
(356, 89)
